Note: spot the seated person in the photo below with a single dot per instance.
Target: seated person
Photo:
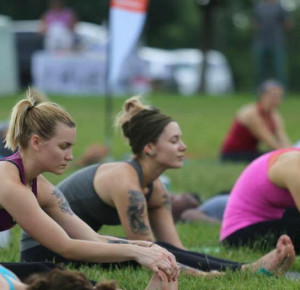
(132, 194)
(183, 201)
(256, 214)
(211, 210)
(256, 123)
(58, 25)
(43, 135)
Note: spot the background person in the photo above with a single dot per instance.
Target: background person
(43, 135)
(256, 123)
(132, 194)
(211, 210)
(57, 24)
(271, 21)
(256, 214)
(71, 280)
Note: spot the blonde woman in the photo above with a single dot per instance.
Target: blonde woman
(43, 135)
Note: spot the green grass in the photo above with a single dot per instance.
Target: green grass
(204, 122)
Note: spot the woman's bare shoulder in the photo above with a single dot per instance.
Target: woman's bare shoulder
(9, 171)
(247, 112)
(246, 109)
(116, 174)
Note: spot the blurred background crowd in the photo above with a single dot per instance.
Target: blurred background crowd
(210, 46)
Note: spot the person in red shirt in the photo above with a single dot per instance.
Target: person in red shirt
(257, 123)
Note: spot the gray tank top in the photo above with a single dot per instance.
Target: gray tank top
(79, 190)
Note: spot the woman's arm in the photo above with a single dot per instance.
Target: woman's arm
(132, 209)
(43, 25)
(22, 205)
(280, 133)
(142, 221)
(255, 123)
(59, 209)
(160, 216)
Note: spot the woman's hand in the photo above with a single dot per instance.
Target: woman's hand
(157, 258)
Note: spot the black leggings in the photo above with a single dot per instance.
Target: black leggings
(265, 234)
(24, 270)
(200, 261)
(189, 258)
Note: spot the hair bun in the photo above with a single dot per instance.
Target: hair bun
(126, 129)
(131, 103)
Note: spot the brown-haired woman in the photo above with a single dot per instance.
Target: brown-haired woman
(132, 194)
(43, 135)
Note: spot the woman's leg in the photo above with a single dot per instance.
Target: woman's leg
(265, 234)
(211, 210)
(277, 261)
(200, 261)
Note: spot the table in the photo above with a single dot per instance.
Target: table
(69, 73)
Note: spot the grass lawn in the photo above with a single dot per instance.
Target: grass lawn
(204, 121)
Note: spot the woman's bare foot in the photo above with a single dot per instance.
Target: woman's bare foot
(277, 261)
(159, 281)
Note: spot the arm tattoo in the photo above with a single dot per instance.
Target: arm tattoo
(166, 201)
(117, 241)
(62, 202)
(136, 210)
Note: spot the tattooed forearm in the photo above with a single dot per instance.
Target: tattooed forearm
(136, 212)
(62, 202)
(166, 201)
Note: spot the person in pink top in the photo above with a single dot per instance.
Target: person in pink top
(256, 213)
(58, 24)
(256, 123)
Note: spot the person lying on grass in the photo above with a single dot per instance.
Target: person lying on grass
(72, 280)
(131, 194)
(44, 134)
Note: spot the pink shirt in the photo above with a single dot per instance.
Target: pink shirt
(254, 198)
(64, 17)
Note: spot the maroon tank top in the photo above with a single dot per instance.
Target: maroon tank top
(6, 220)
(240, 138)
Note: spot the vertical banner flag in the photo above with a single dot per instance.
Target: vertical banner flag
(126, 21)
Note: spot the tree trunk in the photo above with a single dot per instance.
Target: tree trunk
(206, 42)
